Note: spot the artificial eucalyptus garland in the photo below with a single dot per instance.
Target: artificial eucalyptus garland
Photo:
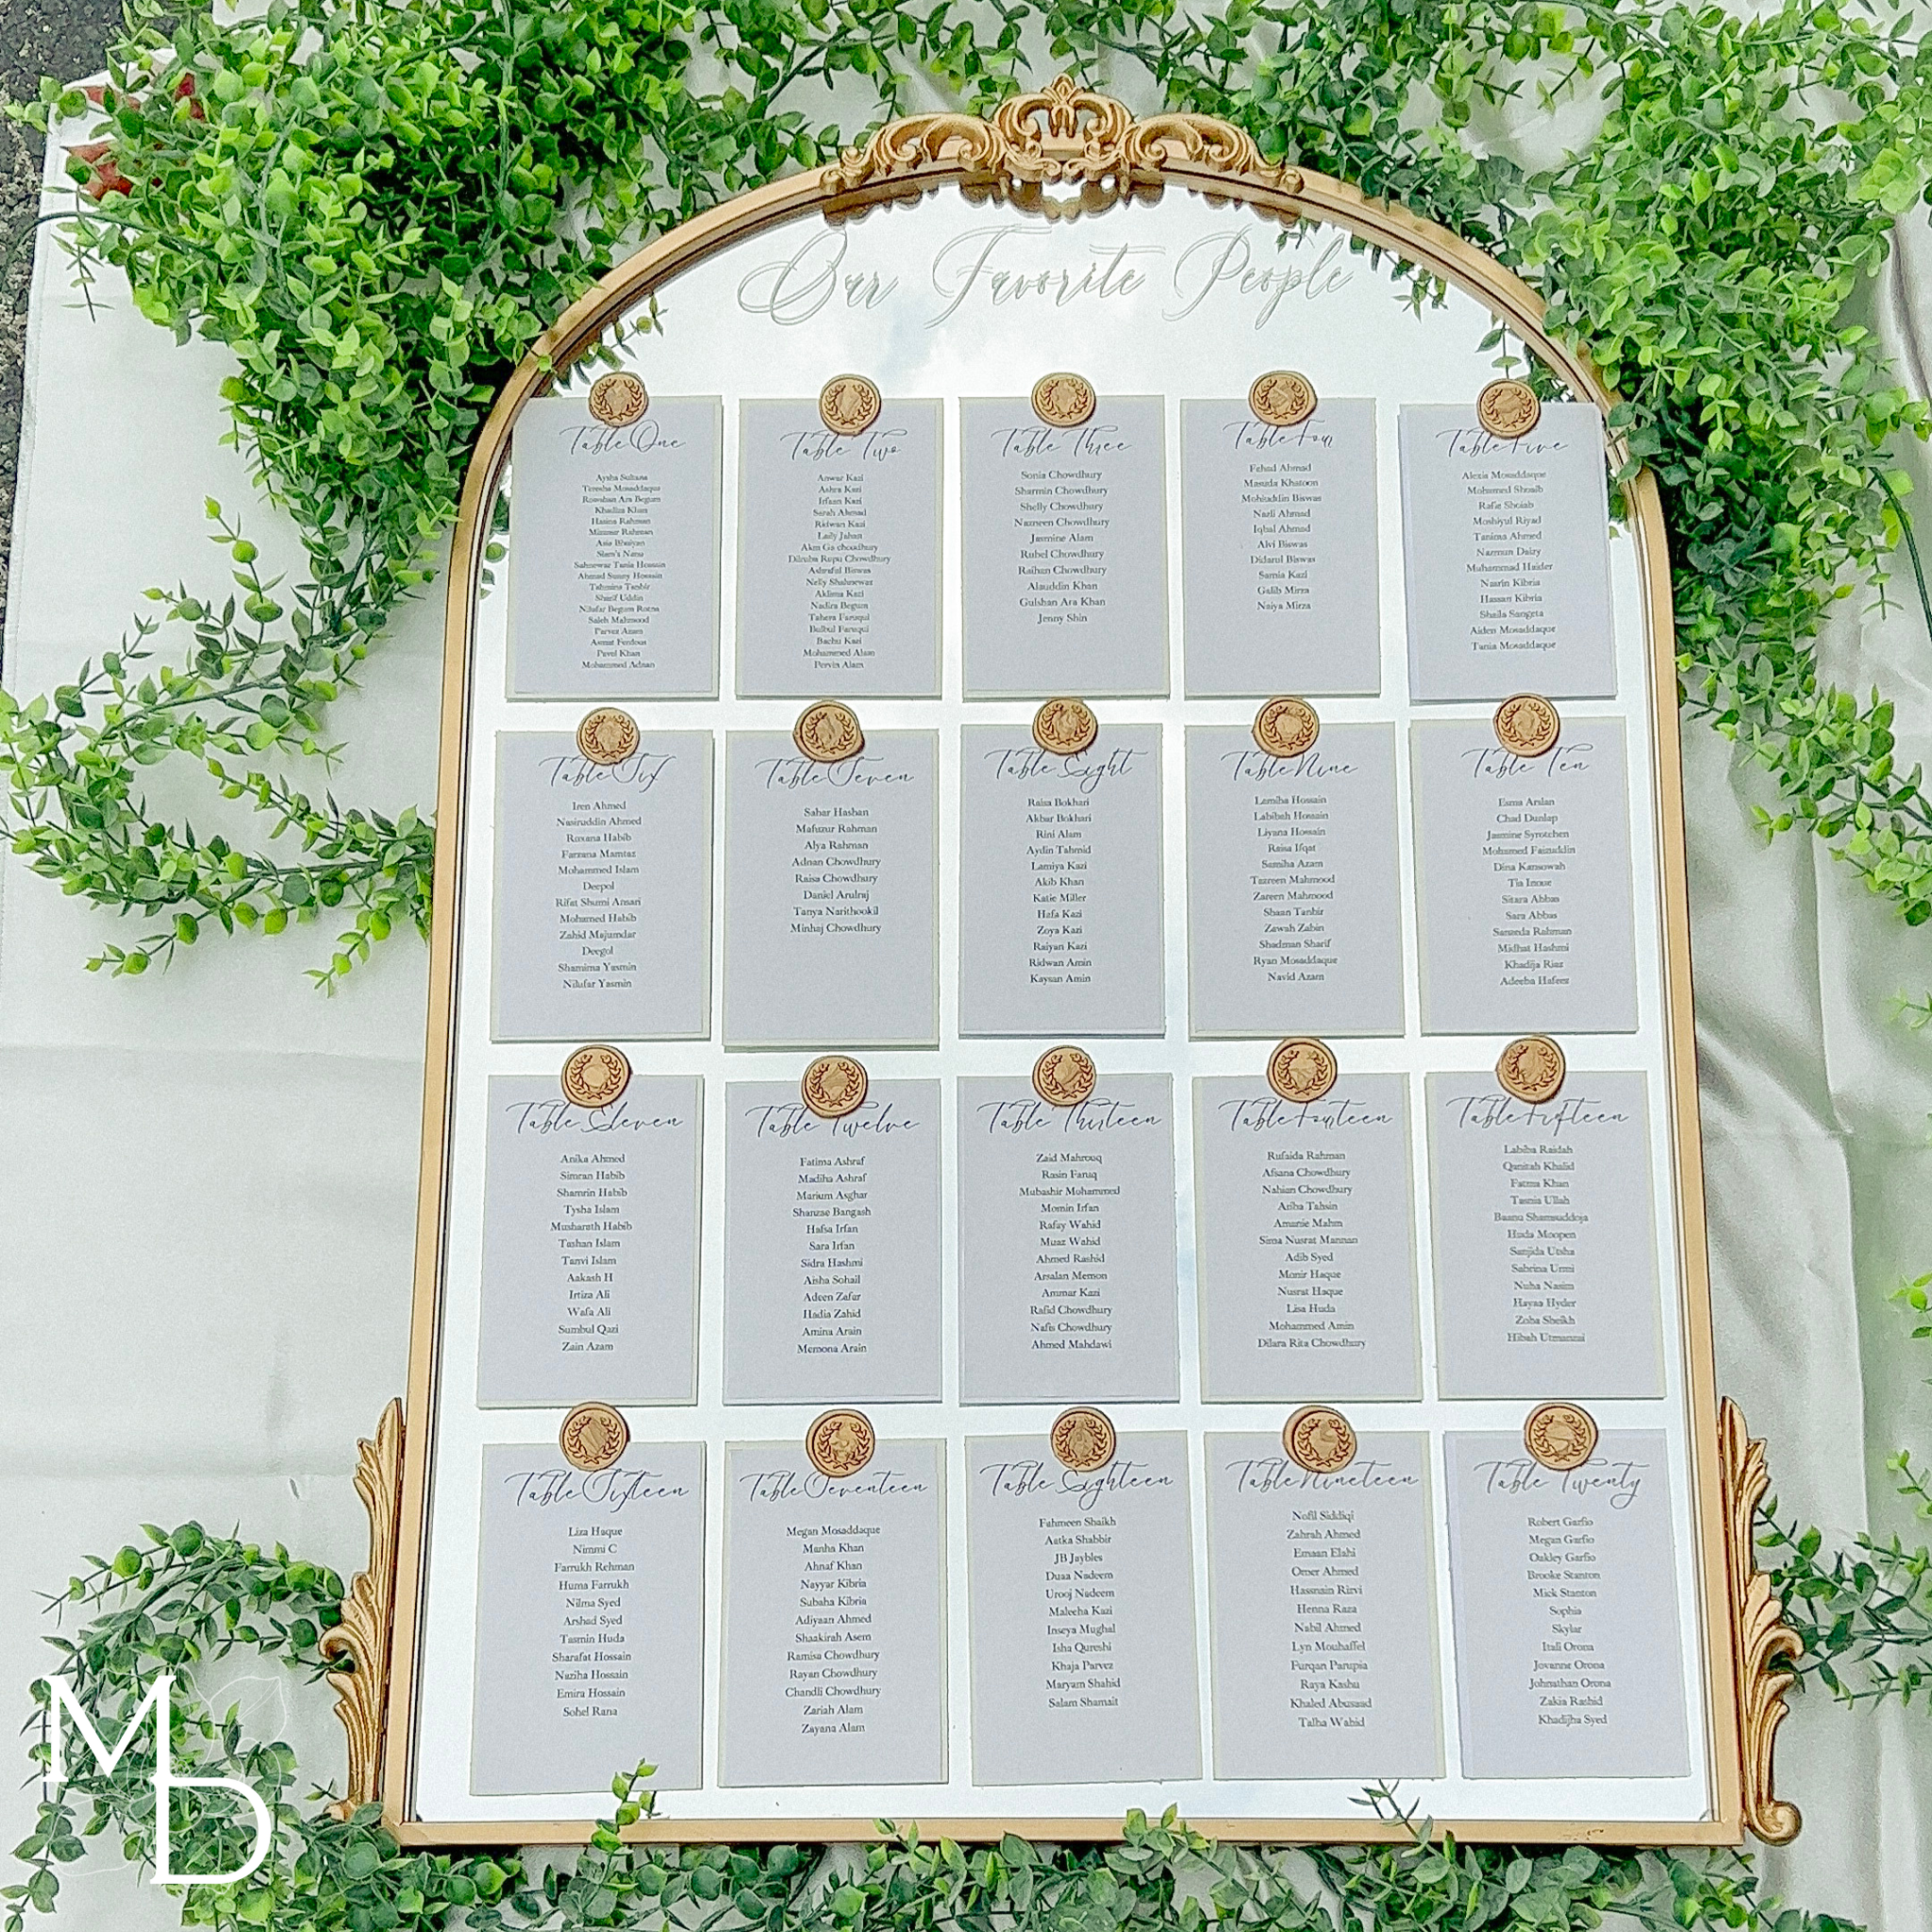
(379, 209)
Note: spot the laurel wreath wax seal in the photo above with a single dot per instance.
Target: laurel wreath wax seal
(834, 1085)
(840, 1443)
(1083, 1439)
(1319, 1438)
(618, 400)
(1286, 727)
(1065, 727)
(1526, 724)
(607, 736)
(1064, 1075)
(1063, 400)
(829, 733)
(1302, 1070)
(1560, 1436)
(594, 1077)
(1532, 1068)
(593, 1437)
(849, 405)
(1507, 408)
(1282, 398)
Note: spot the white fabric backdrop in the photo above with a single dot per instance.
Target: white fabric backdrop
(207, 1176)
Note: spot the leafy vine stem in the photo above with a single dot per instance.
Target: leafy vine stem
(377, 210)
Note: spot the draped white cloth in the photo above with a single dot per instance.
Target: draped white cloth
(207, 1176)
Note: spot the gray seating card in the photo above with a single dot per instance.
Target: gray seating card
(831, 894)
(1064, 533)
(838, 553)
(835, 1643)
(1081, 1594)
(590, 1621)
(1507, 554)
(832, 1245)
(1304, 1260)
(613, 543)
(1545, 1250)
(1294, 896)
(602, 912)
(1524, 881)
(1067, 1243)
(589, 1244)
(1060, 884)
(1568, 1660)
(1321, 1612)
(1280, 586)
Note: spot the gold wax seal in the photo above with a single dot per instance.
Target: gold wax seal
(1083, 1438)
(619, 399)
(1283, 397)
(1065, 727)
(1507, 408)
(840, 1443)
(1526, 724)
(1286, 727)
(1320, 1439)
(1063, 400)
(849, 404)
(594, 1076)
(593, 1437)
(607, 736)
(828, 734)
(1063, 1076)
(1532, 1068)
(1559, 1434)
(834, 1085)
(1301, 1070)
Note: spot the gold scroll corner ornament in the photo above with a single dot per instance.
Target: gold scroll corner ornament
(618, 400)
(1083, 1439)
(1064, 399)
(1065, 727)
(1507, 408)
(840, 1443)
(834, 1085)
(1763, 1645)
(850, 404)
(1282, 398)
(368, 1610)
(829, 733)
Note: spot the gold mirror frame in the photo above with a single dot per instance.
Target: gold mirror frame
(1060, 151)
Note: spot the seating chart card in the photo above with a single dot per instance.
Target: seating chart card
(832, 1245)
(1294, 898)
(1059, 888)
(1066, 1244)
(604, 888)
(1282, 586)
(591, 1244)
(1082, 1613)
(1524, 877)
(1568, 1663)
(838, 553)
(590, 1619)
(831, 911)
(1544, 1243)
(614, 534)
(1322, 1614)
(1507, 549)
(1025, 1196)
(835, 1652)
(1065, 536)
(1303, 1253)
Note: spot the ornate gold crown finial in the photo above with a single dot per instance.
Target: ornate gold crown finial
(368, 1611)
(1065, 133)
